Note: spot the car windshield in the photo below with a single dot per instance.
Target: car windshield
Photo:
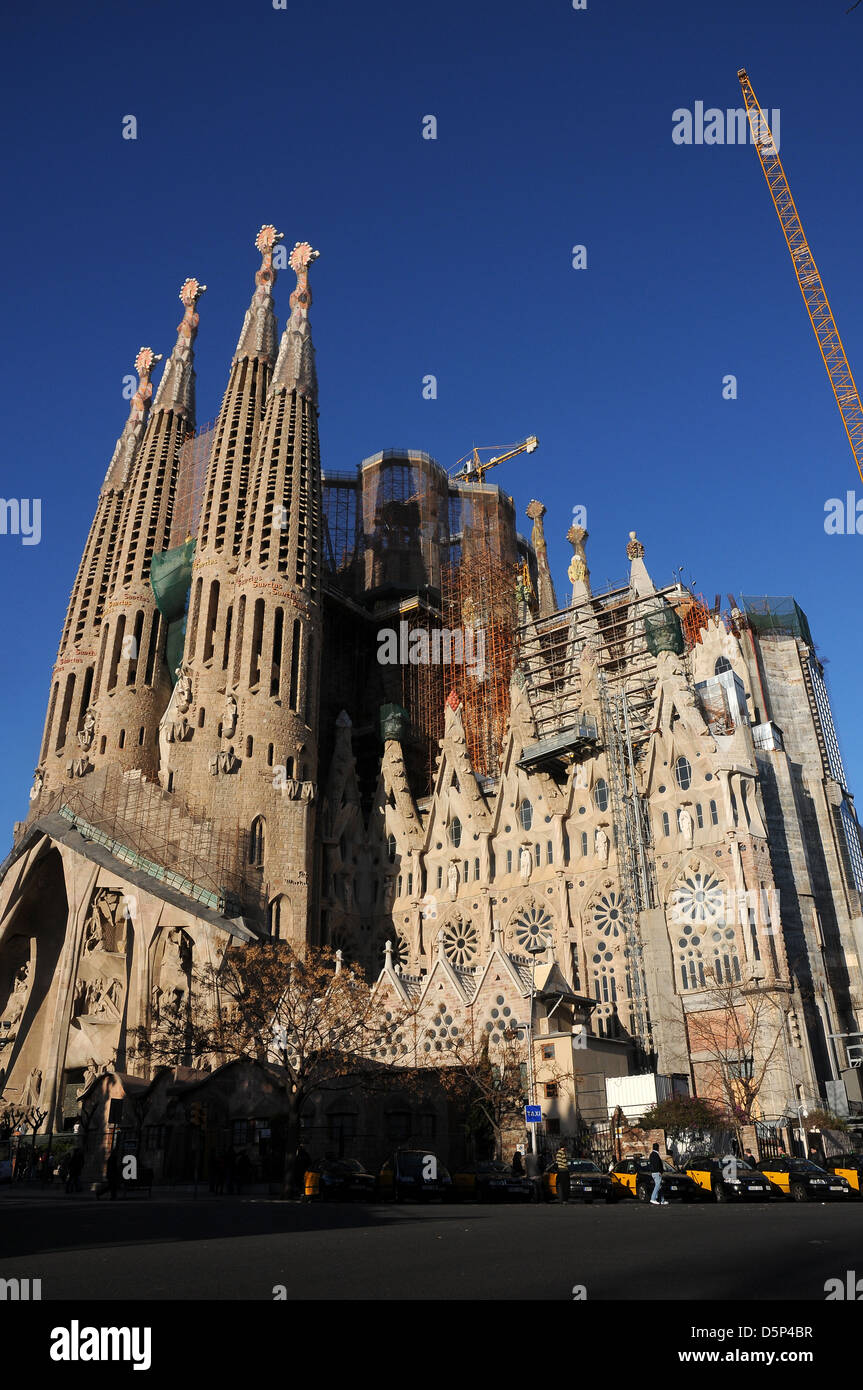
(802, 1165)
(346, 1165)
(582, 1165)
(416, 1164)
(493, 1166)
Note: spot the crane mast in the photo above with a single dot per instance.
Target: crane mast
(808, 278)
(472, 468)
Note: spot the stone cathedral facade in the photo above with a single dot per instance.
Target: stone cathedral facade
(668, 840)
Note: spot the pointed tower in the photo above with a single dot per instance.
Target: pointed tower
(131, 686)
(69, 725)
(547, 599)
(264, 767)
(190, 732)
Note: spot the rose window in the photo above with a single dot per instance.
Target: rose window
(533, 928)
(699, 898)
(460, 943)
(608, 914)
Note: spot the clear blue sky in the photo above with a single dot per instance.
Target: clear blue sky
(449, 257)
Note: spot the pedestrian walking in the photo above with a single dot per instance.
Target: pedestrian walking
(561, 1163)
(654, 1163)
(517, 1164)
(749, 1157)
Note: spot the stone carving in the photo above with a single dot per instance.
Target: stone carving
(177, 730)
(297, 791)
(175, 974)
(183, 692)
(224, 761)
(229, 717)
(79, 767)
(38, 783)
(684, 823)
(525, 863)
(452, 878)
(97, 998)
(578, 571)
(87, 730)
(634, 550)
(601, 845)
(11, 1016)
(32, 1088)
(105, 927)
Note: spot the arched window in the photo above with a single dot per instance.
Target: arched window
(257, 842)
(391, 848)
(699, 816)
(714, 814)
(666, 824)
(683, 774)
(726, 962)
(455, 831)
(600, 795)
(584, 843)
(279, 918)
(722, 664)
(525, 815)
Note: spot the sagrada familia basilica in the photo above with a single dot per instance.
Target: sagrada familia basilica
(627, 824)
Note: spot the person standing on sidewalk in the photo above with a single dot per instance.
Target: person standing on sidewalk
(654, 1163)
(561, 1163)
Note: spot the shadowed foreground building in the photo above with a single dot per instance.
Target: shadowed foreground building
(345, 709)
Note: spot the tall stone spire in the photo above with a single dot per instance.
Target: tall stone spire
(129, 442)
(226, 495)
(295, 366)
(546, 597)
(639, 580)
(177, 388)
(264, 764)
(67, 739)
(131, 686)
(259, 337)
(578, 573)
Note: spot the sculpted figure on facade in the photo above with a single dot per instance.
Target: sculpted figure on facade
(601, 845)
(525, 863)
(11, 1016)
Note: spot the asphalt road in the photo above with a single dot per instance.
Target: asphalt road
(230, 1248)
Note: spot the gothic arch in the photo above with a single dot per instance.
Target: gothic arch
(608, 980)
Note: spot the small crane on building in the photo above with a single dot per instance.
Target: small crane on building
(472, 468)
(808, 278)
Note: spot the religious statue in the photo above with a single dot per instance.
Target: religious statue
(183, 692)
(452, 878)
(525, 862)
(87, 730)
(17, 999)
(601, 845)
(229, 717)
(684, 824)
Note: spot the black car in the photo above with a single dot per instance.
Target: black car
(587, 1182)
(804, 1181)
(339, 1179)
(414, 1173)
(633, 1177)
(727, 1179)
(489, 1180)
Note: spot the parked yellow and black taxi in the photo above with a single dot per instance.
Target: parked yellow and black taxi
(489, 1180)
(632, 1177)
(803, 1181)
(338, 1179)
(849, 1167)
(727, 1179)
(587, 1183)
(416, 1173)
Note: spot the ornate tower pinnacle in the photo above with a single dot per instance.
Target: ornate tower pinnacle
(127, 444)
(547, 597)
(177, 388)
(259, 337)
(295, 367)
(639, 580)
(578, 573)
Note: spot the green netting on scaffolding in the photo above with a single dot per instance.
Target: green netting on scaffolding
(171, 578)
(663, 632)
(777, 614)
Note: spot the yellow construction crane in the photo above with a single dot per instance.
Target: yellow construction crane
(472, 468)
(808, 278)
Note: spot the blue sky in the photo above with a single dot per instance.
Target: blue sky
(449, 257)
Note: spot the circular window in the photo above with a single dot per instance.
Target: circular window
(698, 898)
(608, 914)
(533, 927)
(461, 943)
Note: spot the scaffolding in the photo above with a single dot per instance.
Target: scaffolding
(343, 549)
(191, 481)
(631, 834)
(153, 832)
